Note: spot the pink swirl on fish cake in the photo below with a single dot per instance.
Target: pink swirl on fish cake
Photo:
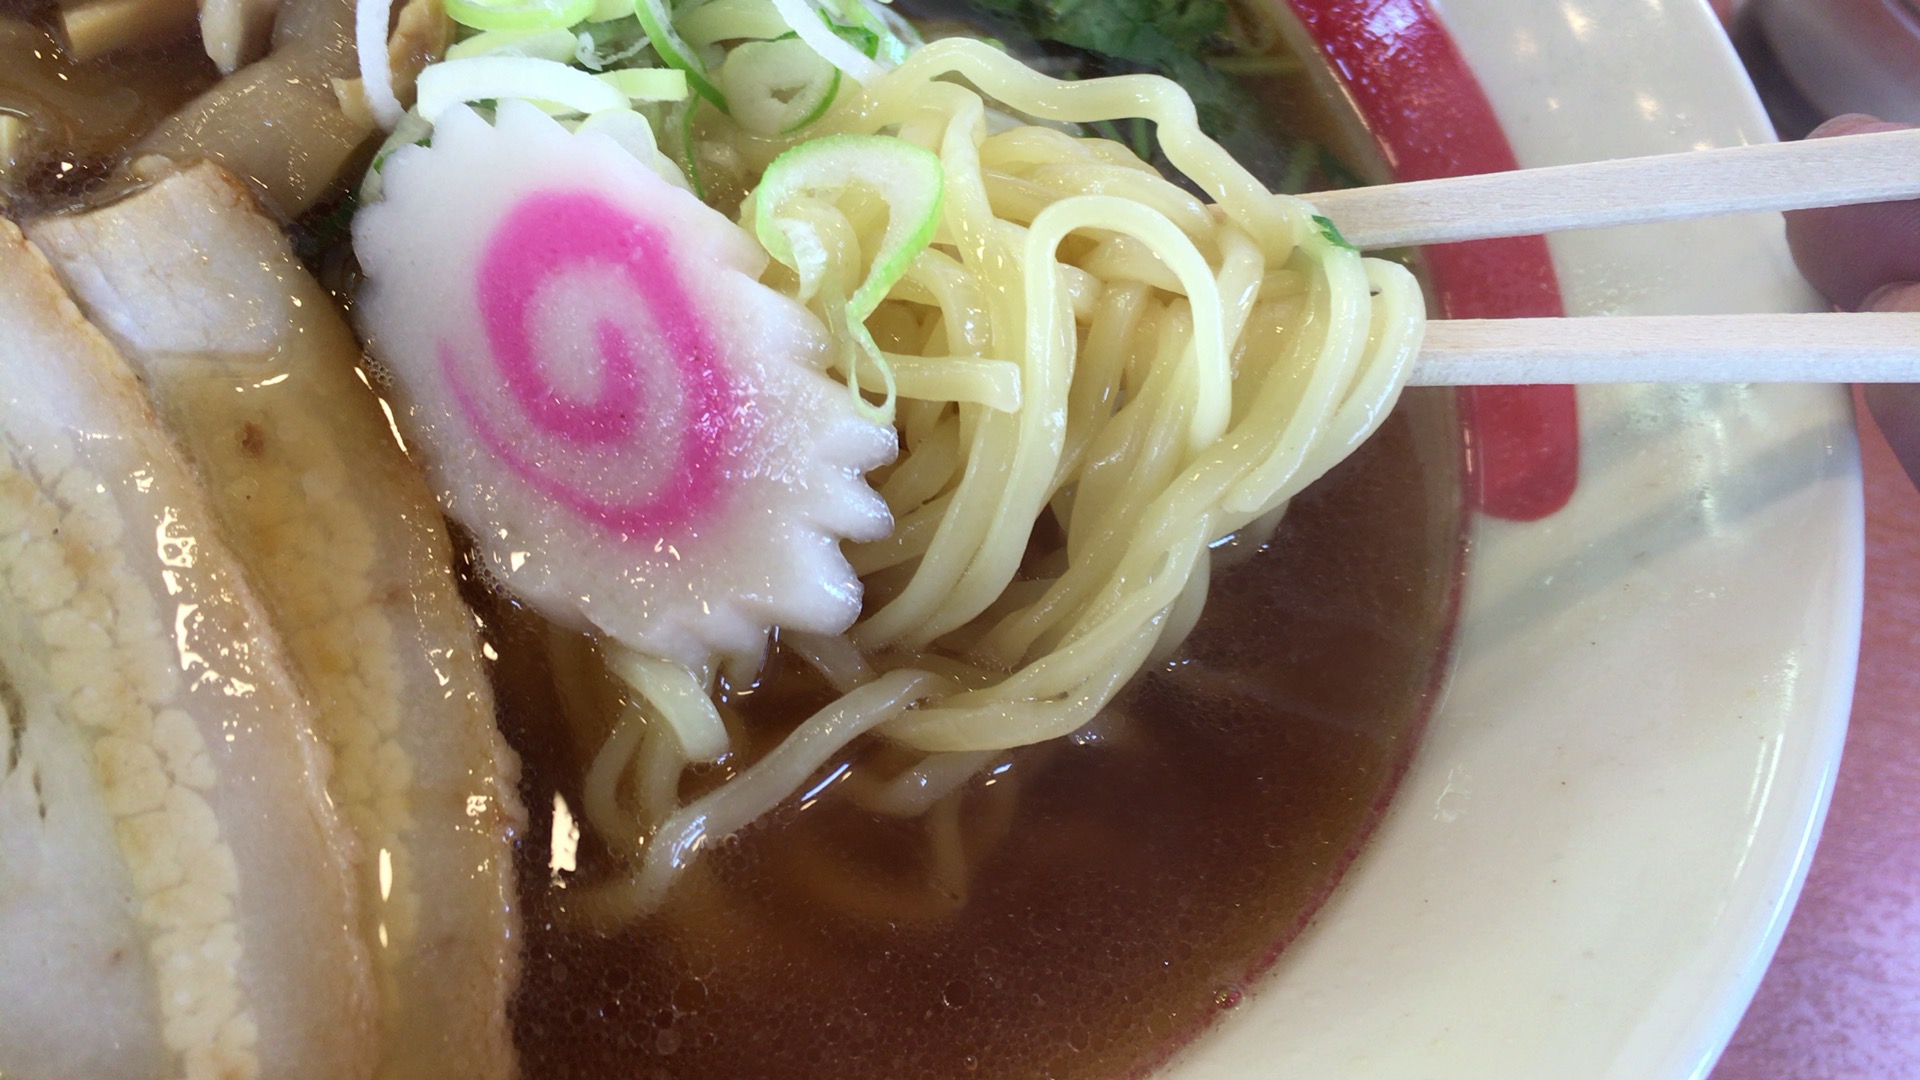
(552, 232)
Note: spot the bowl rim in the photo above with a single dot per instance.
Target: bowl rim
(1674, 1013)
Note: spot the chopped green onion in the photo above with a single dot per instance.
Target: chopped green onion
(412, 130)
(518, 14)
(805, 19)
(893, 36)
(656, 20)
(1331, 233)
(554, 44)
(609, 10)
(859, 37)
(689, 151)
(605, 45)
(485, 78)
(633, 133)
(908, 179)
(778, 87)
(730, 20)
(625, 127)
(648, 84)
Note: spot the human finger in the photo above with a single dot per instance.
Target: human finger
(1847, 252)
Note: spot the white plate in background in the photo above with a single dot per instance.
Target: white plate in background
(1593, 855)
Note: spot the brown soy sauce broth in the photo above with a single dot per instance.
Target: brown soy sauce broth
(1124, 889)
(1120, 891)
(65, 126)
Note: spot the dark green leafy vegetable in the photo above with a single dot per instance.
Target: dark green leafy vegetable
(1168, 37)
(1188, 41)
(1153, 32)
(324, 228)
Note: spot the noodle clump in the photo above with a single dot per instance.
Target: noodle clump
(1099, 376)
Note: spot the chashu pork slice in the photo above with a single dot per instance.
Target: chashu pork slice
(175, 889)
(251, 367)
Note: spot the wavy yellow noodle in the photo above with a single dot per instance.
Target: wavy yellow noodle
(1089, 352)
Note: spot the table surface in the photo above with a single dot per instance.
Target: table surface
(1842, 999)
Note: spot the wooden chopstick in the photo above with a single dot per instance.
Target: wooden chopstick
(1809, 348)
(1874, 167)
(1804, 348)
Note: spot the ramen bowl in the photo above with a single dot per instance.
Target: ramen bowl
(1627, 663)
(1593, 853)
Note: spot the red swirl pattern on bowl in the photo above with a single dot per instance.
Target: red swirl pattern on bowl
(1430, 118)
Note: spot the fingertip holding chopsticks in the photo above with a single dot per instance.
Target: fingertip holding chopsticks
(1833, 347)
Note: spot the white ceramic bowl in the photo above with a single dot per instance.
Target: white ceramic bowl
(1592, 858)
